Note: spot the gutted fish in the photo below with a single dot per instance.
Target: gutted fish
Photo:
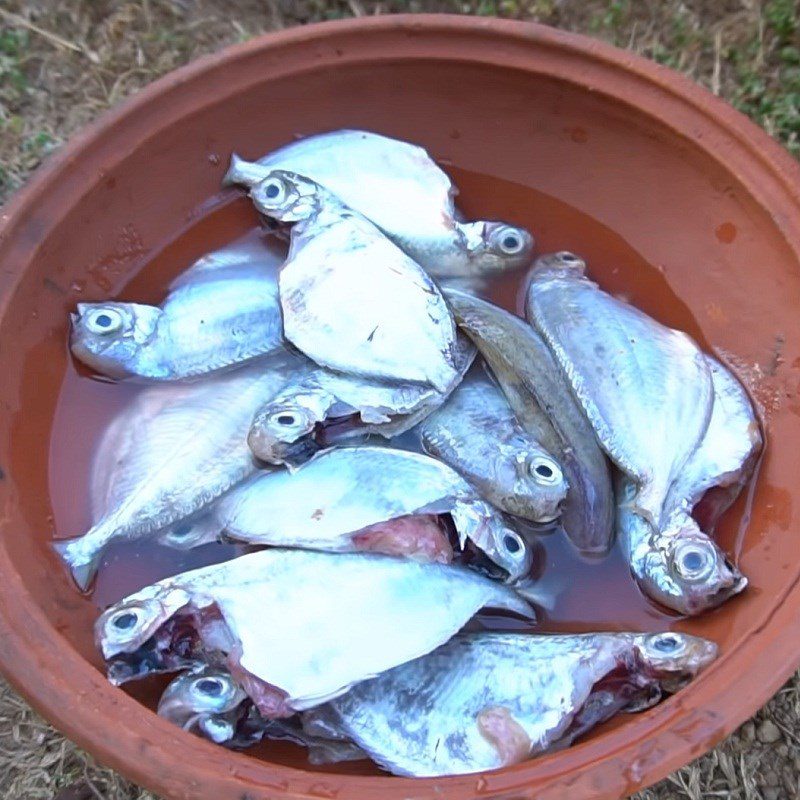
(400, 189)
(221, 312)
(477, 434)
(342, 500)
(318, 408)
(295, 628)
(725, 459)
(544, 406)
(352, 300)
(677, 565)
(490, 700)
(171, 452)
(645, 388)
(209, 703)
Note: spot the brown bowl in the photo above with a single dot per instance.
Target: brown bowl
(661, 173)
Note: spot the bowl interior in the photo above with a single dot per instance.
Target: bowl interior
(660, 219)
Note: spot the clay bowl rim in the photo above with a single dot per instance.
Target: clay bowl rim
(73, 695)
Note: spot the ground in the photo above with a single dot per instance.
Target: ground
(61, 64)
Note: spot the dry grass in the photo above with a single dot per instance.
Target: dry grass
(61, 64)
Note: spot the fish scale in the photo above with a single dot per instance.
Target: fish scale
(477, 434)
(192, 451)
(425, 718)
(647, 393)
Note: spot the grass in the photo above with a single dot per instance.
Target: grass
(61, 64)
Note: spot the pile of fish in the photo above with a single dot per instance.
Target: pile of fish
(386, 443)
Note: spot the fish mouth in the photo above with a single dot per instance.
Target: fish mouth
(474, 558)
(173, 647)
(146, 660)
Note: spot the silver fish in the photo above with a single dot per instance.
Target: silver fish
(209, 703)
(295, 628)
(352, 300)
(477, 434)
(544, 406)
(645, 388)
(490, 700)
(221, 312)
(400, 189)
(334, 501)
(179, 447)
(726, 457)
(677, 564)
(319, 407)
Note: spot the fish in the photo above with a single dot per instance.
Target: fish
(176, 448)
(724, 461)
(208, 702)
(677, 565)
(352, 300)
(335, 501)
(222, 312)
(544, 406)
(319, 408)
(485, 701)
(476, 433)
(646, 389)
(295, 628)
(399, 188)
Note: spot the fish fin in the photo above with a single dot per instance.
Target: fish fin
(83, 571)
(241, 172)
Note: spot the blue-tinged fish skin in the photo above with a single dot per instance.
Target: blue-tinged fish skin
(476, 433)
(679, 565)
(545, 407)
(726, 457)
(490, 700)
(365, 612)
(174, 450)
(351, 300)
(329, 502)
(645, 388)
(222, 312)
(319, 407)
(399, 187)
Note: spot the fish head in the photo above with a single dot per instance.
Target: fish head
(538, 485)
(672, 658)
(110, 337)
(282, 432)
(561, 263)
(286, 196)
(206, 701)
(127, 625)
(685, 570)
(506, 548)
(497, 246)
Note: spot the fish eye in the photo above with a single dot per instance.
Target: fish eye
(565, 257)
(512, 543)
(125, 620)
(511, 242)
(544, 471)
(666, 643)
(287, 419)
(210, 687)
(273, 191)
(103, 321)
(694, 562)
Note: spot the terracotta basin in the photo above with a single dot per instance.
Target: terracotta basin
(697, 207)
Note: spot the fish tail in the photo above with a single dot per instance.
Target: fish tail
(82, 567)
(242, 172)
